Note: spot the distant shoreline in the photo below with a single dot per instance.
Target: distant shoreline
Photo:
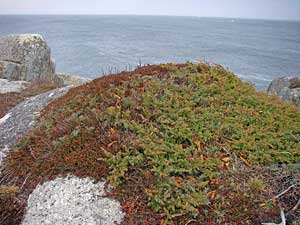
(149, 15)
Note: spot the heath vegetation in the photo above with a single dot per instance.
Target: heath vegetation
(181, 144)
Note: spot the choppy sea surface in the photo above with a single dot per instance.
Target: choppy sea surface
(256, 50)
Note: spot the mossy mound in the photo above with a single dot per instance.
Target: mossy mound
(182, 144)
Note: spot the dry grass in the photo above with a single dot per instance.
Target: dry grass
(39, 86)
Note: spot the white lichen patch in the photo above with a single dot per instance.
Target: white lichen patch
(72, 201)
(3, 153)
(4, 118)
(29, 37)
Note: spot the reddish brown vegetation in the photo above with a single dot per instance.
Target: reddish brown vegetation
(77, 156)
(61, 147)
(8, 101)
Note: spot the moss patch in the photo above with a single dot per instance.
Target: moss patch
(181, 144)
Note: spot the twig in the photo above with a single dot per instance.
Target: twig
(294, 208)
(25, 181)
(2, 179)
(285, 191)
(176, 215)
(295, 137)
(188, 222)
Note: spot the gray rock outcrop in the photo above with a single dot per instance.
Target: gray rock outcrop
(72, 201)
(10, 70)
(25, 57)
(22, 118)
(66, 79)
(7, 86)
(287, 88)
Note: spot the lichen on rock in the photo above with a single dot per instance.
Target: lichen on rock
(287, 88)
(72, 201)
(23, 117)
(7, 86)
(25, 57)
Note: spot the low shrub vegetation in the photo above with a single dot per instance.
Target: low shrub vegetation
(8, 101)
(181, 144)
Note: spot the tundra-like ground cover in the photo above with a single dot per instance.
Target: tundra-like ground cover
(181, 144)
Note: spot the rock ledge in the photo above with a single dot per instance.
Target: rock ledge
(287, 88)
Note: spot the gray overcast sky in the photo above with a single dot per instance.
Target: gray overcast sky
(268, 9)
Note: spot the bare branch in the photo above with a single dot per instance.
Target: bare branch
(282, 193)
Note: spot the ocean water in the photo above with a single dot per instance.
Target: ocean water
(256, 50)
